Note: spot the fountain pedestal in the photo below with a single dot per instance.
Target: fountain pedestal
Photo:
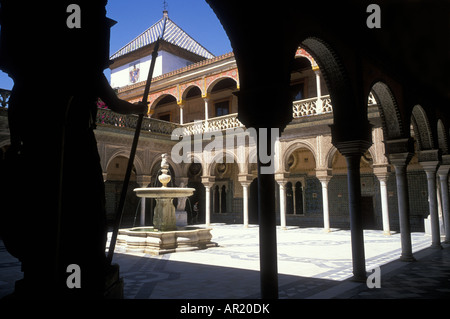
(164, 218)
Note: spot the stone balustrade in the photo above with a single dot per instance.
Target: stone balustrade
(105, 117)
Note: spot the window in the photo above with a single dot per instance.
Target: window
(222, 108)
(299, 89)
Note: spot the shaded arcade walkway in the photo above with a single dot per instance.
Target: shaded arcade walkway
(312, 264)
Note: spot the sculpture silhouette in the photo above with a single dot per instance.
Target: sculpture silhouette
(53, 212)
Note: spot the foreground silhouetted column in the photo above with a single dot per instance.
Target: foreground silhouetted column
(356, 227)
(352, 151)
(267, 221)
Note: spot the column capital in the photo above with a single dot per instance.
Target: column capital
(352, 148)
(324, 175)
(143, 180)
(281, 177)
(381, 171)
(445, 159)
(429, 156)
(282, 184)
(430, 166)
(400, 159)
(399, 146)
(324, 179)
(245, 179)
(443, 171)
(208, 181)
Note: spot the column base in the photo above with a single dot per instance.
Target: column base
(408, 258)
(387, 233)
(436, 246)
(359, 278)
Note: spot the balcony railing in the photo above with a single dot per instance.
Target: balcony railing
(108, 117)
(105, 117)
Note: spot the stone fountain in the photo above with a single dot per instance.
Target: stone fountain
(164, 236)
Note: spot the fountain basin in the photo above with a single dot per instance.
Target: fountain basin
(150, 240)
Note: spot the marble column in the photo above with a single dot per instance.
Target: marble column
(208, 182)
(319, 106)
(382, 174)
(206, 99)
(400, 162)
(326, 214)
(181, 106)
(245, 202)
(143, 181)
(207, 205)
(430, 168)
(443, 179)
(282, 204)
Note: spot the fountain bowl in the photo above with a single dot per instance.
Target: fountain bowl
(164, 192)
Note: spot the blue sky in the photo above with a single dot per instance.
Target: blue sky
(133, 17)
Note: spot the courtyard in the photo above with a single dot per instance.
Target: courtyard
(312, 264)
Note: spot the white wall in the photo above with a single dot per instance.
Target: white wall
(121, 75)
(172, 62)
(165, 62)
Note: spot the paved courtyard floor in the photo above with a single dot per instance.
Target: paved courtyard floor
(311, 264)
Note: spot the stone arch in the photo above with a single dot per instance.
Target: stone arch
(210, 86)
(295, 146)
(442, 137)
(302, 53)
(350, 120)
(186, 91)
(227, 154)
(332, 70)
(393, 127)
(194, 158)
(159, 98)
(329, 157)
(422, 128)
(138, 163)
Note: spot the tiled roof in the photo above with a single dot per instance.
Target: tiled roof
(173, 34)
